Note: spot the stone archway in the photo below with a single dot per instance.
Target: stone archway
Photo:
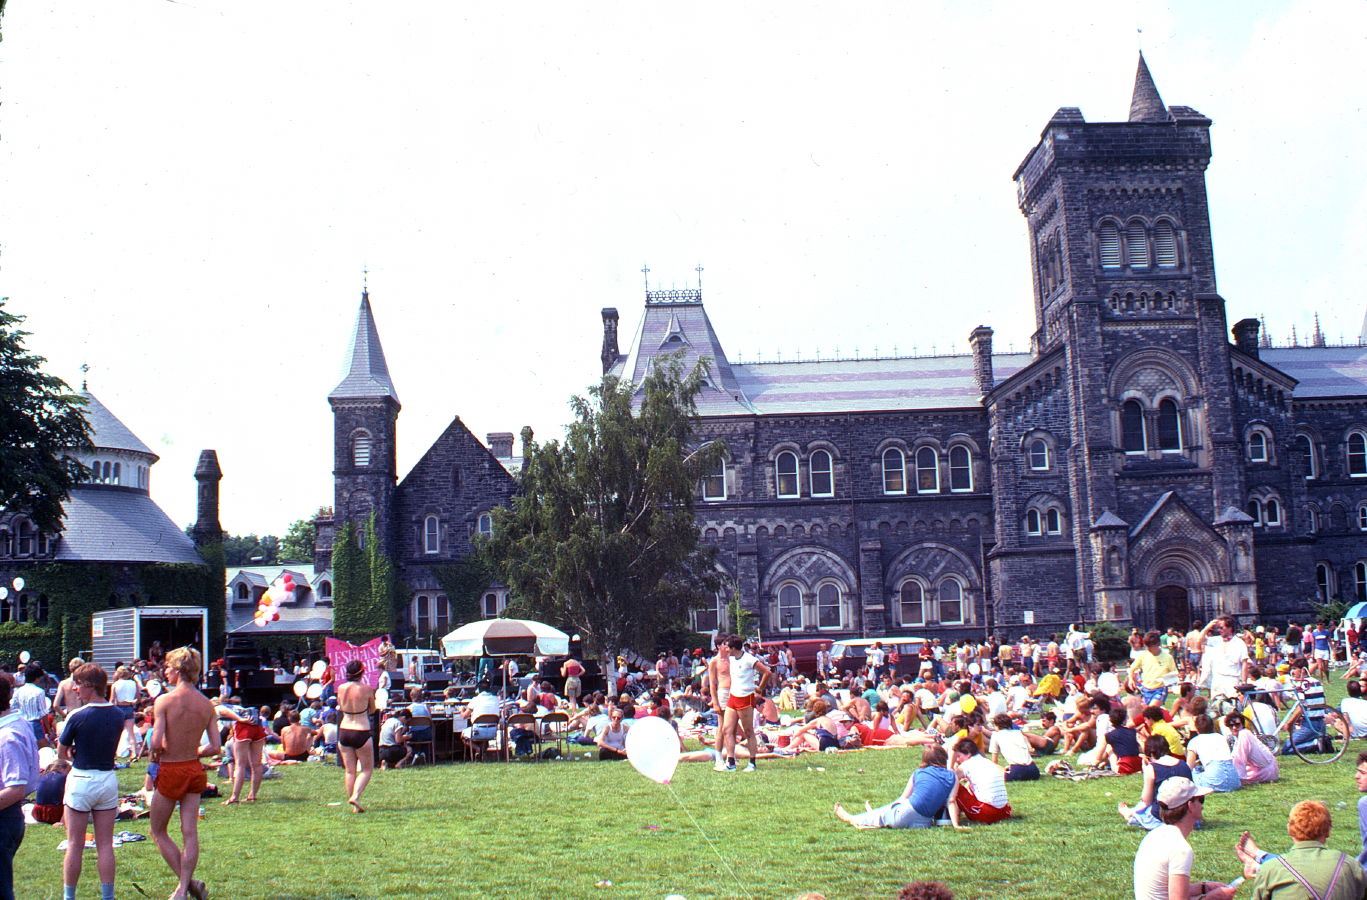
(1172, 608)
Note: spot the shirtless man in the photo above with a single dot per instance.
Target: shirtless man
(719, 687)
(68, 698)
(184, 717)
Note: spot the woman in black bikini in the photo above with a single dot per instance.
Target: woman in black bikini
(356, 701)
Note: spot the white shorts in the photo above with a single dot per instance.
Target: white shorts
(1322, 654)
(88, 790)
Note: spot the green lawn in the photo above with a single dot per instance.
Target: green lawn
(556, 829)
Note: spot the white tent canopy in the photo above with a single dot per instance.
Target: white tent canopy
(506, 637)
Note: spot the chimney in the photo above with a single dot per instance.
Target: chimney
(610, 351)
(981, 342)
(501, 444)
(1246, 336)
(526, 442)
(207, 529)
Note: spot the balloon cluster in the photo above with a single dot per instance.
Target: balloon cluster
(268, 610)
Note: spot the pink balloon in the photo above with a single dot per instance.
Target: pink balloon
(288, 579)
(261, 622)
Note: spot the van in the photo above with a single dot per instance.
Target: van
(849, 655)
(804, 652)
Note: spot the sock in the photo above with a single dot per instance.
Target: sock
(106, 891)
(68, 892)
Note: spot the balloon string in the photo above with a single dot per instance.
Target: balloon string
(739, 883)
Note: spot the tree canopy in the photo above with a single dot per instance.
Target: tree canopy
(601, 538)
(40, 419)
(300, 539)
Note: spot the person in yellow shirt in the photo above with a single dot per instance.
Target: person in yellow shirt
(1152, 668)
(1156, 726)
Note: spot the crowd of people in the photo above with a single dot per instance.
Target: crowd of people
(983, 715)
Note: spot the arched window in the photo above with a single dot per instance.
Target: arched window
(431, 535)
(486, 523)
(6, 543)
(911, 607)
(1272, 512)
(1132, 436)
(894, 472)
(1312, 520)
(118, 473)
(1034, 523)
(821, 476)
(40, 610)
(360, 449)
(1324, 582)
(243, 592)
(1257, 447)
(785, 474)
(1360, 581)
(1039, 455)
(441, 615)
(714, 483)
(1169, 427)
(1136, 246)
(1165, 246)
(95, 472)
(1362, 517)
(1053, 522)
(960, 469)
(951, 602)
(1108, 243)
(1357, 455)
(789, 607)
(490, 605)
(1255, 512)
(26, 533)
(108, 477)
(927, 471)
(325, 589)
(421, 614)
(1312, 464)
(828, 606)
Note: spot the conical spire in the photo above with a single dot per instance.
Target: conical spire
(367, 374)
(1318, 340)
(1146, 105)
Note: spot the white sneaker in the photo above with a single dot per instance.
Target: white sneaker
(749, 767)
(720, 766)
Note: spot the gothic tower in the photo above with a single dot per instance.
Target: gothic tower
(1131, 356)
(365, 409)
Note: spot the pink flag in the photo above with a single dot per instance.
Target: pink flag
(340, 653)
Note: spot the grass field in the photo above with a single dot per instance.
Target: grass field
(558, 829)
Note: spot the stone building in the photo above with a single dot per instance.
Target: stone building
(1135, 465)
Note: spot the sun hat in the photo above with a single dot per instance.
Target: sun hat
(1176, 791)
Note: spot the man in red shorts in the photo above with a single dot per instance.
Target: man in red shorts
(748, 676)
(183, 718)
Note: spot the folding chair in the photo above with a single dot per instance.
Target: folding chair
(481, 745)
(427, 747)
(555, 727)
(527, 722)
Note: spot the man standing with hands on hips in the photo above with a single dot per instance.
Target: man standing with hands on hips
(748, 677)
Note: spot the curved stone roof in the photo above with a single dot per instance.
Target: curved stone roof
(104, 524)
(107, 432)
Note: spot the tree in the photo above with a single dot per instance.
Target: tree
(300, 539)
(601, 538)
(40, 421)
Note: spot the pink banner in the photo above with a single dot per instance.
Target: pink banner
(340, 653)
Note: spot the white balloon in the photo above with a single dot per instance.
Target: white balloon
(1108, 684)
(18, 584)
(653, 748)
(975, 669)
(25, 656)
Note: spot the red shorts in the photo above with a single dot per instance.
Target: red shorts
(976, 810)
(176, 779)
(1128, 765)
(745, 702)
(245, 731)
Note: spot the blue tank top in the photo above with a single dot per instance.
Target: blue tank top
(1124, 741)
(1162, 773)
(930, 790)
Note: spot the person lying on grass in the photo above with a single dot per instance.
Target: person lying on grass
(931, 791)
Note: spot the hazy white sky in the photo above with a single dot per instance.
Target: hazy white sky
(191, 190)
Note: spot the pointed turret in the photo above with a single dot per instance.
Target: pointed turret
(1146, 105)
(367, 374)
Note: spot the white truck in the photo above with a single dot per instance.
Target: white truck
(124, 635)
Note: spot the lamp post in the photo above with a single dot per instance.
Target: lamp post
(788, 624)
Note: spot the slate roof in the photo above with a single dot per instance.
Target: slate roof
(107, 432)
(306, 620)
(684, 327)
(119, 525)
(1321, 371)
(1146, 105)
(367, 373)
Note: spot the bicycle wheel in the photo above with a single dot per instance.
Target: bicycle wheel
(1330, 745)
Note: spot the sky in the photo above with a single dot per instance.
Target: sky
(194, 189)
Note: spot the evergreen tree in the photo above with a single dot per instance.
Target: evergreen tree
(40, 419)
(601, 538)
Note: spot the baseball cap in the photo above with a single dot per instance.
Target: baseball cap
(1176, 791)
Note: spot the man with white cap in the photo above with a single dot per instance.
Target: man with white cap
(1162, 867)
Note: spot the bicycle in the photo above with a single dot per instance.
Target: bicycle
(1328, 729)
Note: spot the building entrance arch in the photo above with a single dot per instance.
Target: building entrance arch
(1172, 608)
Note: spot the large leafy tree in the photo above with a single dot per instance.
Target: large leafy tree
(602, 538)
(40, 419)
(300, 539)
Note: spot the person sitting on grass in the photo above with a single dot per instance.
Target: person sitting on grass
(1154, 726)
(1012, 744)
(1309, 868)
(1159, 765)
(295, 739)
(1119, 747)
(1079, 732)
(612, 739)
(929, 794)
(1211, 762)
(1254, 763)
(981, 794)
(1162, 866)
